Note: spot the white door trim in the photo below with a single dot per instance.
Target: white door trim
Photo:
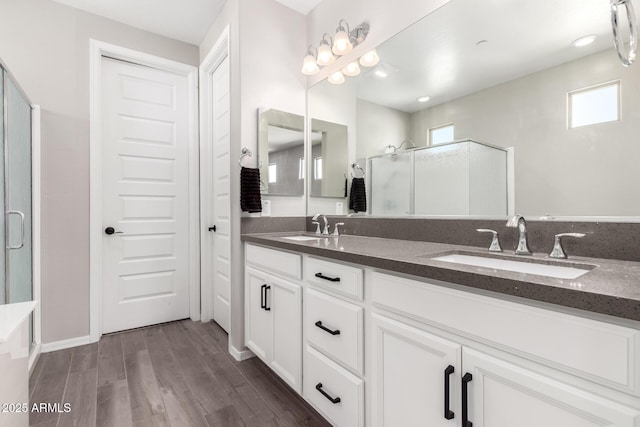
(99, 49)
(214, 58)
(36, 156)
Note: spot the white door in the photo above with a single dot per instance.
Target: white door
(145, 188)
(258, 320)
(221, 200)
(285, 300)
(415, 376)
(504, 395)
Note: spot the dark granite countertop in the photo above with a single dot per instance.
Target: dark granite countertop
(611, 288)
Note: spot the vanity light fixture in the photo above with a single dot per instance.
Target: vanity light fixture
(341, 41)
(309, 65)
(370, 59)
(584, 41)
(336, 78)
(352, 69)
(423, 99)
(325, 56)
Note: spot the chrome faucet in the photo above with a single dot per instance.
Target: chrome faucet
(326, 223)
(523, 244)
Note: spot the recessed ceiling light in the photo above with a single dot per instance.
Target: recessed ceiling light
(381, 74)
(584, 41)
(423, 99)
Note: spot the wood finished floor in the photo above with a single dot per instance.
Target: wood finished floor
(174, 374)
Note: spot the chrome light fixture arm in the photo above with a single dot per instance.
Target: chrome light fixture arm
(626, 57)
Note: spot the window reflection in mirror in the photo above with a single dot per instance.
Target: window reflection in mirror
(281, 152)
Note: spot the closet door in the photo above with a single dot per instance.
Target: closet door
(18, 195)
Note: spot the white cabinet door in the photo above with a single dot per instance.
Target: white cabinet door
(258, 317)
(285, 301)
(411, 372)
(504, 395)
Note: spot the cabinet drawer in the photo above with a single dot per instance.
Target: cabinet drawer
(343, 337)
(279, 262)
(594, 350)
(321, 375)
(338, 278)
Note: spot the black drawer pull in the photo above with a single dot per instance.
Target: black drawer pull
(331, 279)
(466, 379)
(263, 304)
(324, 328)
(448, 413)
(333, 400)
(267, 308)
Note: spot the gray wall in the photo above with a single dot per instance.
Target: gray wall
(558, 171)
(378, 127)
(46, 46)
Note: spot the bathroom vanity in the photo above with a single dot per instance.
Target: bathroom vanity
(376, 332)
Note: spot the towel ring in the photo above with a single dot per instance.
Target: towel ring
(244, 153)
(357, 166)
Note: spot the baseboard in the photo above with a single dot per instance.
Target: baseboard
(34, 356)
(240, 355)
(61, 345)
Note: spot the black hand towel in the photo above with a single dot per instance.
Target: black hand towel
(250, 200)
(358, 197)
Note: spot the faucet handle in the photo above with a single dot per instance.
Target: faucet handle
(495, 241)
(317, 226)
(335, 228)
(558, 250)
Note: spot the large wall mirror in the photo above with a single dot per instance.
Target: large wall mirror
(518, 78)
(281, 152)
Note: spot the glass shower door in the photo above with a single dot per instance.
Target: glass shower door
(17, 174)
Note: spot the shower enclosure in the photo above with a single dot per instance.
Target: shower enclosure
(16, 257)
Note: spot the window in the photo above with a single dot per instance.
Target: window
(593, 105)
(317, 168)
(273, 173)
(441, 134)
(301, 168)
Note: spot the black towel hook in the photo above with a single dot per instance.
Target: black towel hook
(357, 166)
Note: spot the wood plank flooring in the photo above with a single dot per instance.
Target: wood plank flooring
(174, 374)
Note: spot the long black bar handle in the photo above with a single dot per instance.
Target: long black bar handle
(466, 379)
(324, 328)
(331, 279)
(448, 413)
(262, 296)
(266, 307)
(333, 400)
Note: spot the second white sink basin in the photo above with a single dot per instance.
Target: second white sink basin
(300, 238)
(531, 266)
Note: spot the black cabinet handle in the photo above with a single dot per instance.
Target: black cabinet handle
(331, 279)
(448, 413)
(267, 308)
(466, 379)
(262, 296)
(324, 328)
(333, 400)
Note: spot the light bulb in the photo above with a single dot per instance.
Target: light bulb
(325, 57)
(352, 69)
(309, 66)
(341, 43)
(336, 78)
(369, 59)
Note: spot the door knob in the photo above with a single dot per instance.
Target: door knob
(110, 230)
(212, 228)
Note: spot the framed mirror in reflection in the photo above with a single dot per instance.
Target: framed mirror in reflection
(517, 76)
(328, 159)
(281, 152)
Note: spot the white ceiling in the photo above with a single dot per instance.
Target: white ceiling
(184, 20)
(438, 56)
(302, 6)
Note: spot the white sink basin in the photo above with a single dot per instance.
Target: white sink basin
(528, 267)
(300, 238)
